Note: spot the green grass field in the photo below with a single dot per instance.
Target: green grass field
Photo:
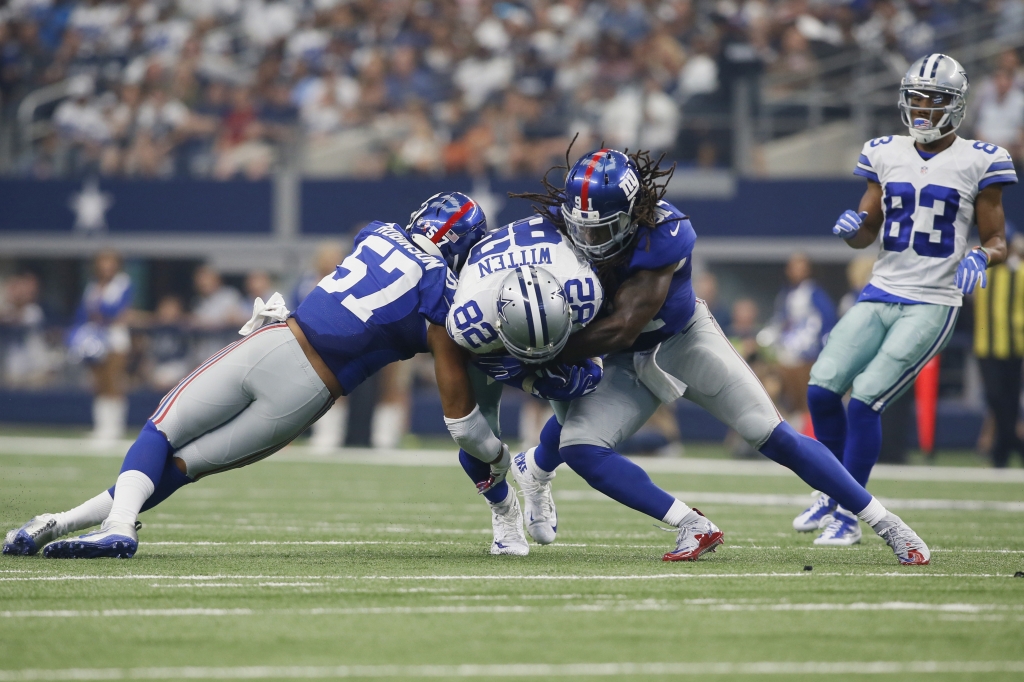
(299, 568)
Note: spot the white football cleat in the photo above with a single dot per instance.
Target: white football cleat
(539, 506)
(843, 531)
(31, 537)
(909, 548)
(112, 540)
(697, 536)
(507, 522)
(817, 516)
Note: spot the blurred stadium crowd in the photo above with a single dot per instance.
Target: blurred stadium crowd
(364, 88)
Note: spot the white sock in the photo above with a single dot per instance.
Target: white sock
(873, 513)
(676, 513)
(388, 425)
(89, 513)
(537, 472)
(133, 489)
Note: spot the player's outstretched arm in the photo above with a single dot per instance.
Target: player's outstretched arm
(870, 216)
(463, 418)
(636, 303)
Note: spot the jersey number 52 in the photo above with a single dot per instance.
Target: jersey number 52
(902, 200)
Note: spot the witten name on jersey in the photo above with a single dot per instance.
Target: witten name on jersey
(473, 318)
(929, 210)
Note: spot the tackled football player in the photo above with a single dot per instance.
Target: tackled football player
(660, 343)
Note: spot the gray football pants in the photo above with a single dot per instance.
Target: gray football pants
(243, 404)
(700, 356)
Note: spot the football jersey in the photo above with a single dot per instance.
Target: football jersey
(669, 242)
(374, 308)
(929, 211)
(472, 320)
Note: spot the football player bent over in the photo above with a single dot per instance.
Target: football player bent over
(385, 302)
(923, 193)
(660, 343)
(522, 292)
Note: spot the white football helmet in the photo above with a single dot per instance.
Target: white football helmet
(533, 315)
(942, 81)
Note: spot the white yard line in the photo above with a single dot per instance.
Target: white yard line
(762, 500)
(907, 573)
(522, 670)
(588, 605)
(25, 445)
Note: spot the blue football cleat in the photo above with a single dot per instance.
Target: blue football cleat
(114, 541)
(31, 537)
(818, 515)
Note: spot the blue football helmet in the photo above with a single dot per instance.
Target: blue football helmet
(600, 190)
(451, 221)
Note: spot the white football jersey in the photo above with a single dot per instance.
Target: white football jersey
(929, 211)
(473, 318)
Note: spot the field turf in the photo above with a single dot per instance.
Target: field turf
(305, 568)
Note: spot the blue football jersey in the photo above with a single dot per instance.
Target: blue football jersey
(669, 242)
(373, 309)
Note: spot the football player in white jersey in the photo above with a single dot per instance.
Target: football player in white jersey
(924, 192)
(521, 293)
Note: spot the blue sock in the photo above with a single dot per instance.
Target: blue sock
(480, 471)
(828, 417)
(618, 478)
(170, 481)
(863, 440)
(546, 455)
(814, 463)
(149, 453)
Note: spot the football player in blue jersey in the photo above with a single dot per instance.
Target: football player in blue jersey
(661, 343)
(387, 301)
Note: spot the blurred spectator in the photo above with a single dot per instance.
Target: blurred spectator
(743, 329)
(27, 359)
(858, 274)
(100, 338)
(705, 286)
(217, 306)
(168, 347)
(241, 148)
(804, 315)
(1001, 114)
(999, 347)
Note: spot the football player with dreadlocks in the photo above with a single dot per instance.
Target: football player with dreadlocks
(661, 343)
(923, 193)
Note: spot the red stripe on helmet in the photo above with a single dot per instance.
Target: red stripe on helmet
(586, 178)
(451, 221)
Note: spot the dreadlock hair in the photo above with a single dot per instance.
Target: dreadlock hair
(653, 185)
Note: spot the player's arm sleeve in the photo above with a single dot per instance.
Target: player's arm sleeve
(999, 171)
(867, 164)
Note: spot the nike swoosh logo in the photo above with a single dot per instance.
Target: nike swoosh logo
(675, 231)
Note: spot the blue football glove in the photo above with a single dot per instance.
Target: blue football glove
(848, 224)
(501, 367)
(566, 382)
(971, 271)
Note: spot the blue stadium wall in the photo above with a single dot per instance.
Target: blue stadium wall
(784, 208)
(779, 208)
